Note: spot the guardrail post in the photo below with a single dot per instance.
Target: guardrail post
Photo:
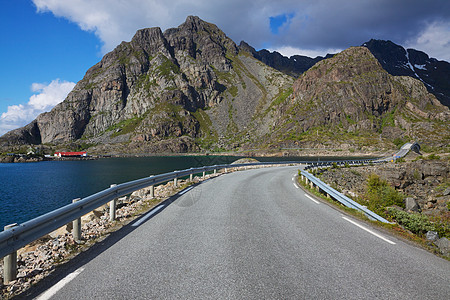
(76, 230)
(10, 262)
(226, 170)
(191, 177)
(215, 171)
(204, 174)
(152, 189)
(112, 207)
(175, 182)
(311, 184)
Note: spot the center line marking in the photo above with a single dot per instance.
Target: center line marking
(54, 289)
(369, 231)
(143, 219)
(311, 198)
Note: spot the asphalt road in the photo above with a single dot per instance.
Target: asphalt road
(253, 235)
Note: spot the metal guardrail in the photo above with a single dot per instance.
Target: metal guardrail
(342, 198)
(18, 236)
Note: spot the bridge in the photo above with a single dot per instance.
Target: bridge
(249, 234)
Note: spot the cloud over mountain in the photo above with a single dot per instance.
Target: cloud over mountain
(46, 97)
(316, 25)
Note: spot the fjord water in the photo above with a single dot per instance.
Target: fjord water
(28, 190)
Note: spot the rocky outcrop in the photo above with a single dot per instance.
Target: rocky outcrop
(422, 181)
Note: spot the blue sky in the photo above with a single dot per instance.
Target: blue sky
(48, 45)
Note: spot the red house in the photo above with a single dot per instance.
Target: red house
(71, 154)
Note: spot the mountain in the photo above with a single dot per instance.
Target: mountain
(191, 89)
(293, 66)
(399, 61)
(350, 99)
(169, 91)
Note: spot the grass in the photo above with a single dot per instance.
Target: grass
(125, 126)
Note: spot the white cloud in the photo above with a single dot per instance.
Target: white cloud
(433, 40)
(315, 24)
(46, 98)
(290, 51)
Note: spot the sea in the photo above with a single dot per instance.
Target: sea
(28, 190)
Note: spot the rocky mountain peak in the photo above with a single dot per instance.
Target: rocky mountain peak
(399, 61)
(354, 61)
(352, 96)
(190, 88)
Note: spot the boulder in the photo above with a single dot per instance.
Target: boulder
(432, 236)
(443, 245)
(411, 204)
(447, 191)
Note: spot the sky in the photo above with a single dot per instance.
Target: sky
(46, 46)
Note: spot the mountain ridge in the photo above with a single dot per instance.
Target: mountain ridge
(191, 89)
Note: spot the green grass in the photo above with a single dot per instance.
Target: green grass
(125, 126)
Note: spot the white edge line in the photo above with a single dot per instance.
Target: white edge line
(148, 215)
(54, 289)
(295, 185)
(311, 198)
(369, 231)
(186, 190)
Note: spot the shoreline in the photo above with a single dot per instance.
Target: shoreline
(250, 153)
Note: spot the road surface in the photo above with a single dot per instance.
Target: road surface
(252, 235)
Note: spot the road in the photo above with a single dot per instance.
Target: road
(253, 235)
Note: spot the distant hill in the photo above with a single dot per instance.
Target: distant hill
(191, 89)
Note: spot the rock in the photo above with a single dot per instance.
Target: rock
(411, 204)
(93, 215)
(447, 191)
(432, 236)
(62, 230)
(443, 245)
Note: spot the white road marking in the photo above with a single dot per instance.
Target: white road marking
(144, 218)
(54, 289)
(369, 231)
(186, 190)
(311, 198)
(295, 185)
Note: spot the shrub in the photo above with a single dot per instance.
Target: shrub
(416, 223)
(380, 195)
(433, 157)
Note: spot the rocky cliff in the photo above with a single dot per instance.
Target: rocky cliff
(191, 88)
(351, 99)
(399, 61)
(161, 92)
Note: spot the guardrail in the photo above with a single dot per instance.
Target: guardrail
(16, 236)
(319, 184)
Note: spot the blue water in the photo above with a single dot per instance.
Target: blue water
(28, 190)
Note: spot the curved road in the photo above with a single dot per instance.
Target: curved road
(254, 235)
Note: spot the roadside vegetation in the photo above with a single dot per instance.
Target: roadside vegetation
(386, 201)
